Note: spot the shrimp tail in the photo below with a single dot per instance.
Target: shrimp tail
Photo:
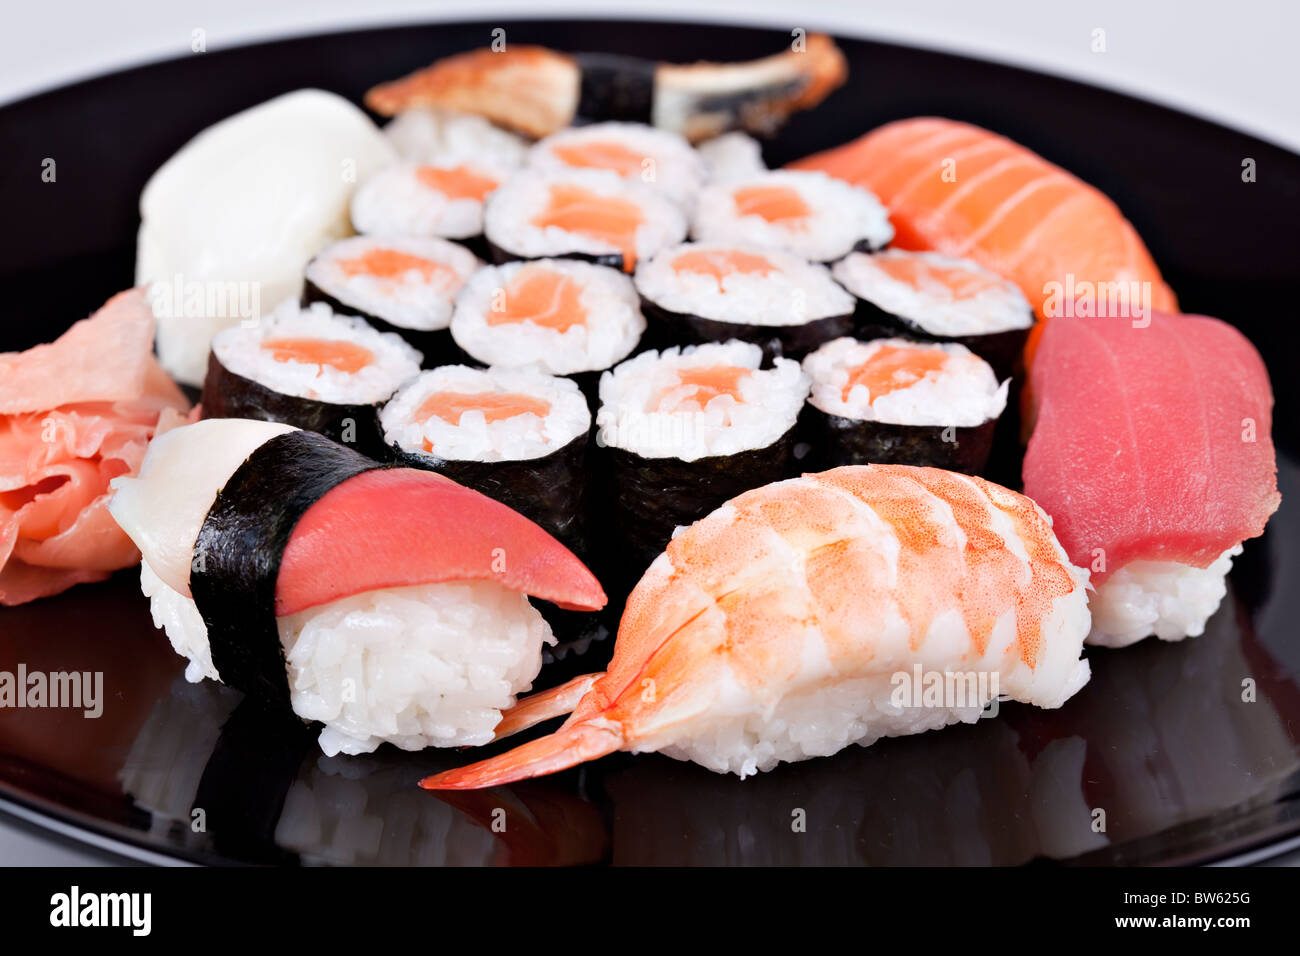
(567, 747)
(544, 705)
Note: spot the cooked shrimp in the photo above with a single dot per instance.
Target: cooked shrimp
(783, 625)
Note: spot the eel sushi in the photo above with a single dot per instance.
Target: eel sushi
(938, 298)
(1151, 450)
(402, 284)
(712, 292)
(590, 214)
(427, 135)
(440, 198)
(309, 368)
(516, 435)
(685, 429)
(538, 91)
(964, 191)
(810, 214)
(637, 153)
(389, 604)
(784, 625)
(899, 402)
(561, 316)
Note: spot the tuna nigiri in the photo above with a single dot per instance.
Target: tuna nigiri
(388, 603)
(1152, 454)
(964, 191)
(784, 624)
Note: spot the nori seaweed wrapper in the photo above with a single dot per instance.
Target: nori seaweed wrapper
(499, 255)
(666, 328)
(614, 87)
(837, 440)
(240, 545)
(227, 394)
(436, 345)
(1002, 350)
(551, 490)
(650, 497)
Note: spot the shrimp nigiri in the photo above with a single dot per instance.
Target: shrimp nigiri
(789, 622)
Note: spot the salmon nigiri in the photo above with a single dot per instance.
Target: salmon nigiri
(965, 191)
(818, 612)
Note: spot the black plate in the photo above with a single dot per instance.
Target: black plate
(1160, 745)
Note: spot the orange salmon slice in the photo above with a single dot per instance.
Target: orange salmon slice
(893, 368)
(773, 203)
(601, 155)
(495, 406)
(393, 264)
(962, 283)
(607, 218)
(708, 382)
(722, 263)
(344, 356)
(541, 296)
(456, 182)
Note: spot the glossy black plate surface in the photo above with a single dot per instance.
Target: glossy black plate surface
(1161, 745)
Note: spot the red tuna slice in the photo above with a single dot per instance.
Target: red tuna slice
(1150, 443)
(399, 526)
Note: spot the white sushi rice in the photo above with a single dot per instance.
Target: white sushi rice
(396, 202)
(409, 301)
(1163, 598)
(429, 136)
(240, 351)
(612, 329)
(474, 438)
(841, 216)
(431, 665)
(730, 157)
(644, 409)
(508, 218)
(667, 162)
(823, 707)
(963, 393)
(933, 307)
(793, 292)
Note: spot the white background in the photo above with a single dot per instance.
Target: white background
(1234, 61)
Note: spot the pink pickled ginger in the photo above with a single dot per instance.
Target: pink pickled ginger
(75, 414)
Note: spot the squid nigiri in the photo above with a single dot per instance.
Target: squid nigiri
(786, 624)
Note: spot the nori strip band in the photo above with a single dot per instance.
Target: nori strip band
(239, 547)
(1002, 350)
(499, 255)
(227, 394)
(436, 345)
(551, 490)
(665, 328)
(850, 441)
(614, 87)
(652, 496)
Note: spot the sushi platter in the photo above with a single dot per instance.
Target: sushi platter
(599, 447)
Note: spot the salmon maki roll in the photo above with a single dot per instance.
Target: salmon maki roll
(658, 158)
(308, 368)
(701, 292)
(406, 285)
